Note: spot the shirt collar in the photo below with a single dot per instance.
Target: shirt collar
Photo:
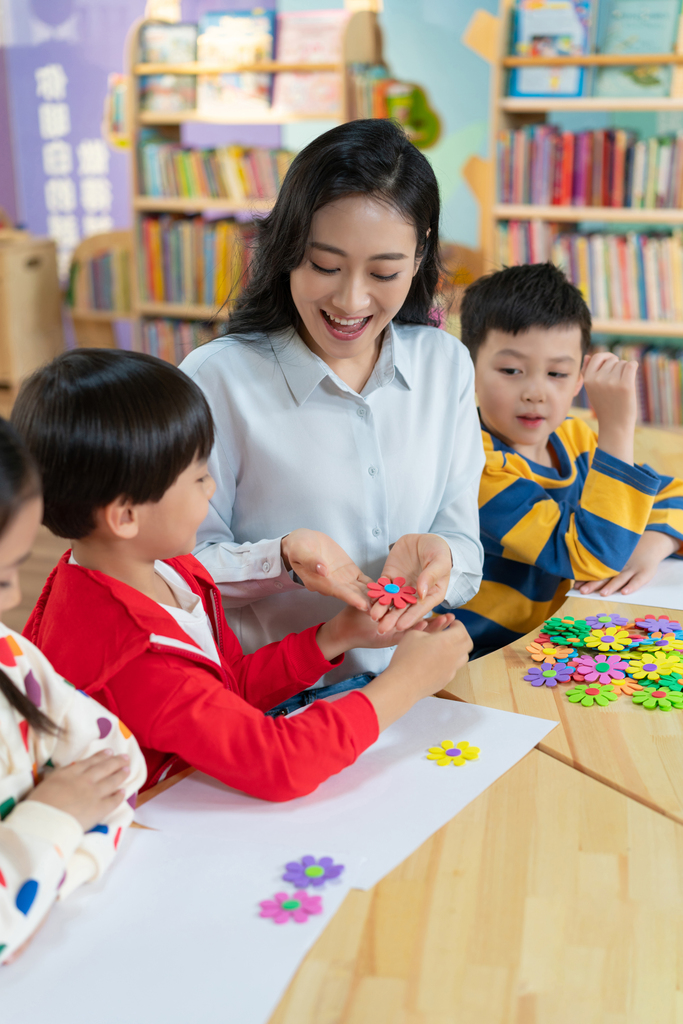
(304, 370)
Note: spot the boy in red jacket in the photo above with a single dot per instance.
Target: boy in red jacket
(128, 616)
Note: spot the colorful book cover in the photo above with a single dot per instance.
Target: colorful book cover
(166, 43)
(634, 26)
(545, 28)
(311, 37)
(236, 37)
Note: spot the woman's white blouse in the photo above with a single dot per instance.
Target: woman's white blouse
(297, 447)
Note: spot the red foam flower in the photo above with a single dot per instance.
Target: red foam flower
(385, 591)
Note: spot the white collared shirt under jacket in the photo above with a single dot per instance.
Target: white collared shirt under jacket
(297, 447)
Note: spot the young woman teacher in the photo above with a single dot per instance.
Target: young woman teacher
(348, 444)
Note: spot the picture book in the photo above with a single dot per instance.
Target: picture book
(167, 93)
(311, 37)
(315, 93)
(164, 43)
(631, 26)
(544, 28)
(236, 37)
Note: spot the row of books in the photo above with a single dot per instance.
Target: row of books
(191, 260)
(543, 165)
(102, 282)
(372, 92)
(545, 28)
(230, 172)
(172, 340)
(623, 277)
(660, 383)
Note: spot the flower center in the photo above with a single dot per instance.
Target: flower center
(453, 752)
(291, 904)
(391, 588)
(602, 666)
(592, 690)
(549, 673)
(649, 668)
(314, 871)
(608, 639)
(658, 693)
(603, 618)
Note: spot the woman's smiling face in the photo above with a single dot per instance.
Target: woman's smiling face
(359, 264)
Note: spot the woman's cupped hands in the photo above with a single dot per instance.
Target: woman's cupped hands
(423, 560)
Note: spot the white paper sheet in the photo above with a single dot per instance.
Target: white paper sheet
(171, 935)
(665, 590)
(381, 808)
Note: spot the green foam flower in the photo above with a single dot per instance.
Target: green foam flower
(653, 697)
(589, 694)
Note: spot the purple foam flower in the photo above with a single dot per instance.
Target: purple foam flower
(309, 871)
(599, 669)
(606, 619)
(298, 905)
(551, 675)
(663, 624)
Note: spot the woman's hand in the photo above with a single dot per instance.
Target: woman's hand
(351, 628)
(652, 547)
(424, 560)
(88, 790)
(325, 568)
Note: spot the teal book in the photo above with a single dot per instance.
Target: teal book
(635, 26)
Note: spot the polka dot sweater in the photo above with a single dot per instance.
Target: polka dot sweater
(44, 853)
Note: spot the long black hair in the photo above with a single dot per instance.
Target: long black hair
(371, 157)
(19, 482)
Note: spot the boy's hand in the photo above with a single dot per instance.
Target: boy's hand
(324, 567)
(610, 384)
(88, 790)
(652, 547)
(351, 628)
(424, 560)
(422, 664)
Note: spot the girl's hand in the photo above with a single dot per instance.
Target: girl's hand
(351, 628)
(424, 560)
(652, 547)
(325, 568)
(88, 790)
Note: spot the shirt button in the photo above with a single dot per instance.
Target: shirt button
(360, 412)
(279, 586)
(266, 566)
(372, 470)
(376, 532)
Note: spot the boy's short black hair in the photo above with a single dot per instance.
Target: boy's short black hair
(518, 298)
(103, 424)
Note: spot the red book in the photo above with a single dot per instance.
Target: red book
(567, 170)
(619, 167)
(596, 179)
(608, 170)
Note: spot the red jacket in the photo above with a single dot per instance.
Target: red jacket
(124, 650)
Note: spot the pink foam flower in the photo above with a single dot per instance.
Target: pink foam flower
(298, 905)
(598, 669)
(385, 591)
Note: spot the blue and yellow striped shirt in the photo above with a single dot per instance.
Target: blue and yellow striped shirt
(543, 527)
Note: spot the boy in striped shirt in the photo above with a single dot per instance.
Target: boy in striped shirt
(557, 502)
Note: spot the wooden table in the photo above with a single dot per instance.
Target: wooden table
(556, 897)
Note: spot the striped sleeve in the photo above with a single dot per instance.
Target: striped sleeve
(667, 509)
(587, 539)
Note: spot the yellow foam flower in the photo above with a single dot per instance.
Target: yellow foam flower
(453, 753)
(614, 639)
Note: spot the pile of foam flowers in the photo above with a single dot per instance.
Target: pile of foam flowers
(604, 657)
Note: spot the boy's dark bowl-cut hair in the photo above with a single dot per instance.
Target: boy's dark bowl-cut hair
(518, 298)
(104, 424)
(369, 157)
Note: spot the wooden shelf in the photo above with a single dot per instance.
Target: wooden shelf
(543, 104)
(263, 67)
(621, 214)
(155, 117)
(102, 315)
(182, 311)
(649, 328)
(182, 204)
(594, 60)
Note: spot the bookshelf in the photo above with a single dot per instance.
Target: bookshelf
(362, 44)
(512, 112)
(94, 327)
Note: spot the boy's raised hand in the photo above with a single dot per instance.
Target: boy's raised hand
(610, 384)
(325, 568)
